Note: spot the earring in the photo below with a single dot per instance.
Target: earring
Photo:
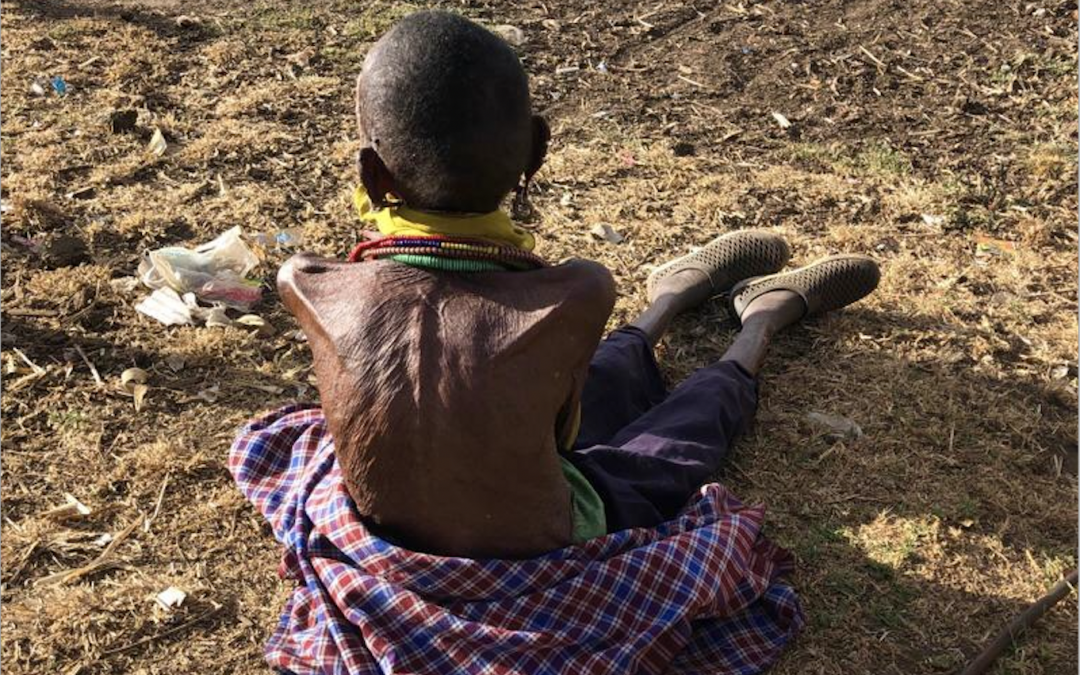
(521, 208)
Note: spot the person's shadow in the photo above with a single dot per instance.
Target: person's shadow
(922, 538)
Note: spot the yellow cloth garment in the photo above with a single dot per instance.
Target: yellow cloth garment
(401, 221)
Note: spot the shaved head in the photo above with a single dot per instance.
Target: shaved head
(444, 104)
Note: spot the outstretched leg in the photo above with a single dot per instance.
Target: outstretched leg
(647, 471)
(678, 293)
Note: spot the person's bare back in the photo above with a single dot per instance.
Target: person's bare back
(446, 394)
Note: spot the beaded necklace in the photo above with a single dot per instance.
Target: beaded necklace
(453, 254)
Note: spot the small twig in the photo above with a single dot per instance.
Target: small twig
(19, 311)
(1019, 624)
(38, 370)
(165, 633)
(913, 76)
(93, 369)
(21, 565)
(879, 62)
(97, 563)
(157, 506)
(687, 79)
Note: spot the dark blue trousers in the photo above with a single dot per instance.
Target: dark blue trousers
(647, 451)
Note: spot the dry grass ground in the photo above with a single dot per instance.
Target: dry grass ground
(918, 129)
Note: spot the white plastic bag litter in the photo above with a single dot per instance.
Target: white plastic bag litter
(214, 272)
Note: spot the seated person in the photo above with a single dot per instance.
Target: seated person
(488, 486)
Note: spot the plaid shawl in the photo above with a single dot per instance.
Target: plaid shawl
(698, 594)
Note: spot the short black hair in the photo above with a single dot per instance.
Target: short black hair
(445, 104)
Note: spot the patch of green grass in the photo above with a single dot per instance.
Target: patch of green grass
(876, 159)
(816, 540)
(345, 56)
(842, 581)
(891, 542)
(968, 509)
(882, 160)
(816, 153)
(67, 30)
(890, 607)
(374, 21)
(1056, 66)
(879, 572)
(286, 17)
(66, 420)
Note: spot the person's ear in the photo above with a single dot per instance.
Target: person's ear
(376, 178)
(541, 134)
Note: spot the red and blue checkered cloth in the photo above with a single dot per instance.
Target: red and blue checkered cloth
(699, 594)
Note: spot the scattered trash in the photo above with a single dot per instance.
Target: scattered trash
(133, 381)
(133, 376)
(564, 70)
(58, 85)
(124, 284)
(83, 193)
(887, 245)
(933, 220)
(511, 34)
(261, 326)
(187, 21)
(104, 540)
(157, 144)
(607, 233)
(566, 199)
(170, 598)
(1062, 371)
(5, 206)
(72, 509)
(104, 559)
(781, 120)
(290, 237)
(217, 318)
(602, 67)
(209, 395)
(215, 272)
(747, 50)
(988, 247)
(166, 305)
(121, 121)
(837, 427)
(37, 89)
